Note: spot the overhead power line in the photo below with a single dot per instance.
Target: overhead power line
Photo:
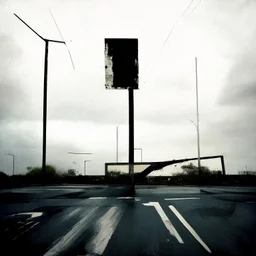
(62, 39)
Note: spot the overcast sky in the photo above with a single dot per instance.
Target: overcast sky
(83, 115)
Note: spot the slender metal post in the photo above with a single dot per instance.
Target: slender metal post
(117, 144)
(131, 134)
(84, 168)
(85, 161)
(223, 165)
(140, 152)
(45, 105)
(13, 164)
(197, 126)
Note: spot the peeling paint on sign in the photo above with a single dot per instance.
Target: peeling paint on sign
(121, 63)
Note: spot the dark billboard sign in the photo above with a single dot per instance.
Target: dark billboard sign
(121, 63)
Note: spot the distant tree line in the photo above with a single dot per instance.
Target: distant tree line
(50, 172)
(191, 170)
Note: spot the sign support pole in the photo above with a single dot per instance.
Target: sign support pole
(131, 135)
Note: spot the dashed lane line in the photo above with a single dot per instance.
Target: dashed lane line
(182, 198)
(97, 198)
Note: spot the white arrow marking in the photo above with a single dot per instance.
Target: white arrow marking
(33, 214)
(165, 220)
(189, 228)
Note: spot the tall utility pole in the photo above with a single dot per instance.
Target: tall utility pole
(44, 90)
(131, 134)
(197, 126)
(117, 144)
(13, 162)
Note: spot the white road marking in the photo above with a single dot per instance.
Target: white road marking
(25, 231)
(165, 220)
(128, 198)
(72, 235)
(96, 198)
(182, 198)
(25, 224)
(71, 214)
(33, 214)
(251, 202)
(107, 225)
(189, 228)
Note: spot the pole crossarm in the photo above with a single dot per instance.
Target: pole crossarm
(55, 41)
(29, 26)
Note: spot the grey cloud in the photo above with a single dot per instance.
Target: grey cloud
(240, 95)
(13, 97)
(240, 86)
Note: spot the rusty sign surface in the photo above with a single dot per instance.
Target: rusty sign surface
(121, 63)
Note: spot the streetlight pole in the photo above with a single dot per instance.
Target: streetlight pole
(198, 158)
(44, 90)
(81, 153)
(117, 144)
(85, 161)
(197, 115)
(13, 162)
(140, 152)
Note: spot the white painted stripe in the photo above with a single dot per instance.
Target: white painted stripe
(189, 228)
(182, 198)
(72, 235)
(165, 220)
(25, 231)
(107, 225)
(128, 198)
(33, 214)
(71, 214)
(96, 198)
(251, 202)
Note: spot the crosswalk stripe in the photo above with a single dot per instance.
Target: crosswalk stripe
(107, 225)
(72, 235)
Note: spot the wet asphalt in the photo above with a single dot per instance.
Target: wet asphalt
(104, 220)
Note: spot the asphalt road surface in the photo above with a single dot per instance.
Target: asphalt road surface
(102, 220)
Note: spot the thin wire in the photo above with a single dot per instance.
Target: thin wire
(193, 8)
(62, 39)
(170, 33)
(176, 23)
(187, 8)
